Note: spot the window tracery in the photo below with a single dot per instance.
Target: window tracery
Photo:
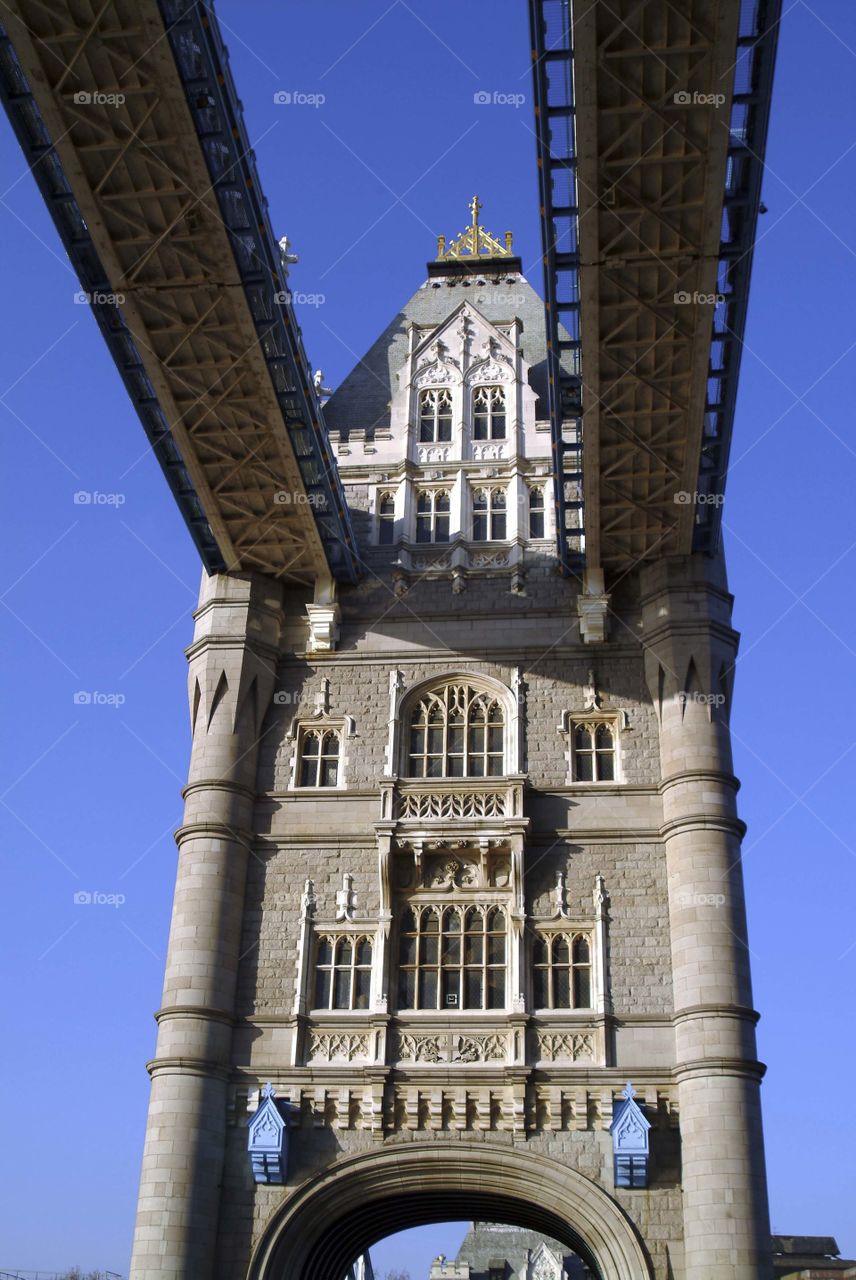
(456, 732)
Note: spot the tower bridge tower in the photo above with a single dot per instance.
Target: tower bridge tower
(459, 860)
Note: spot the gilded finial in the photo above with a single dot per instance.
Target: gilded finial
(475, 242)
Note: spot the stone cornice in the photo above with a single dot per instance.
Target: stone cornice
(699, 775)
(701, 822)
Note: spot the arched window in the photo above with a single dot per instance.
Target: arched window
(319, 758)
(561, 969)
(536, 512)
(432, 515)
(488, 413)
(456, 732)
(386, 519)
(435, 416)
(488, 515)
(593, 751)
(452, 958)
(343, 972)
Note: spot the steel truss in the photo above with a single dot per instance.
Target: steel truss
(651, 118)
(128, 115)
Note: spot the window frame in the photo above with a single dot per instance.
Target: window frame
(616, 722)
(492, 513)
(385, 519)
(435, 418)
(536, 511)
(456, 698)
(337, 938)
(571, 934)
(419, 517)
(450, 967)
(491, 390)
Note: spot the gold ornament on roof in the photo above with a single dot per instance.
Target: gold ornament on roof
(475, 242)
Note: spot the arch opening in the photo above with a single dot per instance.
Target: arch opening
(335, 1217)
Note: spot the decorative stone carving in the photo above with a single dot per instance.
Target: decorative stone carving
(452, 804)
(267, 1141)
(451, 873)
(420, 1048)
(436, 373)
(346, 898)
(338, 1045)
(489, 559)
(430, 453)
(554, 1046)
(489, 452)
(479, 1048)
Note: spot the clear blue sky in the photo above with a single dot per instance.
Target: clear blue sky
(98, 597)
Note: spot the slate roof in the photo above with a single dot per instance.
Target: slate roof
(362, 400)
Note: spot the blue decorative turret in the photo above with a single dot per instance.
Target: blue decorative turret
(629, 1131)
(267, 1142)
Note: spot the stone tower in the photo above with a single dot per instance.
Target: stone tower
(460, 859)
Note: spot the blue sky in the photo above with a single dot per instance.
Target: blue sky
(97, 598)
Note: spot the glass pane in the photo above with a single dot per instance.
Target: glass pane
(539, 950)
(477, 769)
(540, 989)
(408, 922)
(387, 532)
(444, 429)
(429, 949)
(603, 738)
(452, 949)
(473, 989)
(435, 767)
(441, 529)
(407, 950)
(442, 505)
(582, 951)
(480, 427)
(342, 990)
(584, 772)
(428, 989)
(474, 950)
(536, 524)
(477, 733)
(498, 426)
(451, 988)
(417, 742)
(322, 989)
(329, 773)
(475, 921)
(330, 745)
(435, 741)
(498, 528)
(582, 988)
(561, 950)
(605, 766)
(561, 989)
(494, 738)
(344, 951)
(480, 500)
(496, 949)
(456, 740)
(456, 767)
(430, 922)
(498, 500)
(423, 504)
(325, 951)
(406, 988)
(494, 766)
(582, 738)
(387, 506)
(496, 988)
(479, 528)
(452, 922)
(423, 529)
(362, 988)
(364, 951)
(309, 773)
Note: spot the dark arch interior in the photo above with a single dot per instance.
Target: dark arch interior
(348, 1236)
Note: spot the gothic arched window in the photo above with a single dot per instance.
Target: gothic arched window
(489, 515)
(489, 413)
(435, 416)
(343, 972)
(386, 519)
(536, 512)
(452, 958)
(319, 758)
(432, 515)
(561, 970)
(593, 745)
(456, 732)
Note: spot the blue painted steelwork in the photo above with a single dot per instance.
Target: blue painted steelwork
(750, 114)
(45, 165)
(203, 65)
(550, 26)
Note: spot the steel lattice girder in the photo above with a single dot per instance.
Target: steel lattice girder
(658, 111)
(170, 223)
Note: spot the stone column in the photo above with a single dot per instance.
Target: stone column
(690, 650)
(232, 673)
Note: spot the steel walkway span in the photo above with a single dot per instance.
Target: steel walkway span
(127, 113)
(651, 119)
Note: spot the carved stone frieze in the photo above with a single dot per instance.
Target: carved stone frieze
(339, 1046)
